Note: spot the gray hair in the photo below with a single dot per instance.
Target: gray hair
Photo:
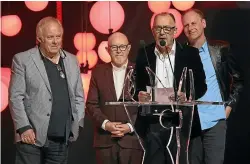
(44, 22)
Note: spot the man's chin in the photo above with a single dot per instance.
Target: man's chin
(120, 63)
(54, 51)
(193, 37)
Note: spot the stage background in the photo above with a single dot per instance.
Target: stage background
(225, 21)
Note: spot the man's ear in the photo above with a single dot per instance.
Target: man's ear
(204, 23)
(129, 47)
(39, 39)
(175, 30)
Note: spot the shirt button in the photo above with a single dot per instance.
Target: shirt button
(50, 99)
(48, 114)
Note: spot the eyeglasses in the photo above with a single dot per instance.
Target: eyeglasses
(59, 68)
(166, 29)
(121, 47)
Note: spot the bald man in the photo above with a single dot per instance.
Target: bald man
(115, 141)
(46, 98)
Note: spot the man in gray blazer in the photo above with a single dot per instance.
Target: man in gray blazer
(46, 98)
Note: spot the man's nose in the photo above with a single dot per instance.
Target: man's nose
(190, 28)
(162, 32)
(54, 40)
(118, 50)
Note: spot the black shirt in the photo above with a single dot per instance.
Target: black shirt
(60, 113)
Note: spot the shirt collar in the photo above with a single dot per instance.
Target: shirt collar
(172, 51)
(123, 67)
(203, 47)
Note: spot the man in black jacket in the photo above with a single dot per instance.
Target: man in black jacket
(221, 69)
(155, 56)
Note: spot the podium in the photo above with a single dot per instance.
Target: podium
(173, 116)
(180, 114)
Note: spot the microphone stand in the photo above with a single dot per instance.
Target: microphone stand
(163, 43)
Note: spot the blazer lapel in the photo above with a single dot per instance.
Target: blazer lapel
(37, 58)
(213, 53)
(110, 81)
(152, 59)
(177, 65)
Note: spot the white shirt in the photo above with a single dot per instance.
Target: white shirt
(163, 68)
(118, 77)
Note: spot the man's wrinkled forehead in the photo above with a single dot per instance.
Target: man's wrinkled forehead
(164, 20)
(191, 15)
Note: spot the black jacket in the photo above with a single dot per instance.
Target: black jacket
(185, 56)
(228, 73)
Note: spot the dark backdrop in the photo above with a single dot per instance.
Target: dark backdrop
(225, 21)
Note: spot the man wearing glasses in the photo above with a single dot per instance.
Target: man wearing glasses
(115, 141)
(46, 98)
(155, 56)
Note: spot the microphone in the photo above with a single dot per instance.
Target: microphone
(143, 45)
(163, 44)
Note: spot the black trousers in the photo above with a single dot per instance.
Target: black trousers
(118, 155)
(209, 146)
(55, 152)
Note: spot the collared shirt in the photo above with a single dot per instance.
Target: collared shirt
(210, 114)
(163, 67)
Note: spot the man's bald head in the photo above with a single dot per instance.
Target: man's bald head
(118, 48)
(117, 37)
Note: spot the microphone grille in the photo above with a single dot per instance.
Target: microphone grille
(162, 43)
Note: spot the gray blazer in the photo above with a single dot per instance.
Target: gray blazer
(30, 94)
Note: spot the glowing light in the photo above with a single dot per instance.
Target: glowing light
(90, 56)
(104, 15)
(102, 52)
(159, 6)
(84, 41)
(85, 83)
(36, 5)
(4, 96)
(5, 76)
(10, 25)
(183, 5)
